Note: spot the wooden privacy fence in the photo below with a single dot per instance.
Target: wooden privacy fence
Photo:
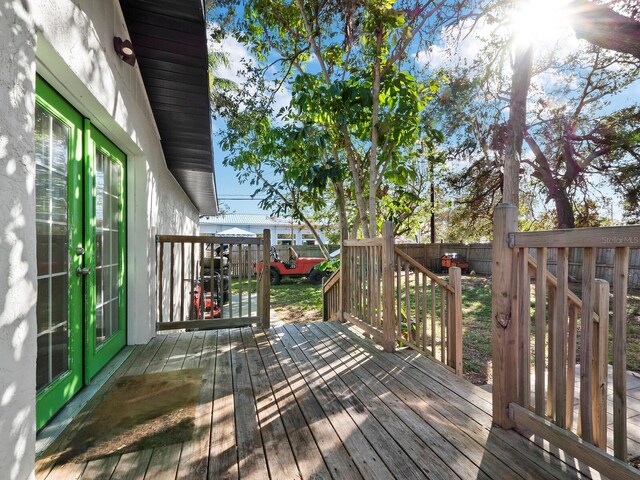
(566, 329)
(396, 300)
(479, 257)
(197, 287)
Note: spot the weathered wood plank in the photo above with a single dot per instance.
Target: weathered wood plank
(101, 469)
(163, 464)
(437, 381)
(587, 345)
(161, 356)
(223, 458)
(68, 471)
(368, 412)
(620, 289)
(194, 456)
(132, 466)
(179, 352)
(251, 456)
(601, 361)
(504, 324)
(146, 355)
(573, 445)
(365, 457)
(277, 449)
(601, 237)
(540, 335)
(560, 337)
(419, 440)
(572, 335)
(338, 460)
(195, 351)
(210, 323)
(524, 328)
(307, 454)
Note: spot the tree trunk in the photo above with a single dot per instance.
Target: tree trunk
(520, 82)
(564, 209)
(432, 216)
(314, 232)
(338, 188)
(601, 26)
(373, 154)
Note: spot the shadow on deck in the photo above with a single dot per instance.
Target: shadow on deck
(319, 401)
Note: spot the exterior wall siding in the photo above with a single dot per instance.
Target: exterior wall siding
(17, 240)
(70, 44)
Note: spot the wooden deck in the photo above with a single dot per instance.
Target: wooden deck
(319, 401)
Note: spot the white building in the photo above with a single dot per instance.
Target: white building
(283, 231)
(98, 154)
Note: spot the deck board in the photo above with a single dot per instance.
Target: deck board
(319, 401)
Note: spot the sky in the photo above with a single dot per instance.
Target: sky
(231, 193)
(236, 196)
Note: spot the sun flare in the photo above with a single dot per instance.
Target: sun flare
(540, 23)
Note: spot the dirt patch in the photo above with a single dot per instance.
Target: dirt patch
(295, 314)
(138, 412)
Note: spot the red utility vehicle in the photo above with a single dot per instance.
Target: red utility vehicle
(454, 260)
(295, 267)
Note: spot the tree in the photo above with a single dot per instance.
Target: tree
(603, 26)
(345, 65)
(572, 128)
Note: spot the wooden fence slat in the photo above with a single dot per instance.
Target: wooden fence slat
(171, 284)
(424, 312)
(540, 344)
(433, 319)
(160, 281)
(551, 376)
(455, 309)
(182, 278)
(560, 336)
(620, 287)
(192, 286)
(587, 344)
(524, 317)
(443, 327)
(601, 361)
(572, 334)
(387, 258)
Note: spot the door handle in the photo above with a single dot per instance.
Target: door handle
(81, 272)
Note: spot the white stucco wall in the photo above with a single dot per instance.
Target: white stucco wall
(71, 42)
(17, 240)
(75, 55)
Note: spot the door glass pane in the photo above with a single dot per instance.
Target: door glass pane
(52, 239)
(108, 196)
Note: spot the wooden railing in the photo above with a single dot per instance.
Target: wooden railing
(331, 297)
(429, 311)
(396, 300)
(199, 284)
(545, 406)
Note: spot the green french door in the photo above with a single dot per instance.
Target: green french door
(80, 236)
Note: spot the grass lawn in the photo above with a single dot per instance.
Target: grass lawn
(297, 300)
(476, 311)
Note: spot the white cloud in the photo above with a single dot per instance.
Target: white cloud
(237, 53)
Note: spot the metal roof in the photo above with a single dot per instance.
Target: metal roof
(250, 219)
(170, 42)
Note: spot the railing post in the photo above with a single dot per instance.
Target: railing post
(503, 314)
(266, 279)
(455, 329)
(388, 256)
(344, 276)
(600, 380)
